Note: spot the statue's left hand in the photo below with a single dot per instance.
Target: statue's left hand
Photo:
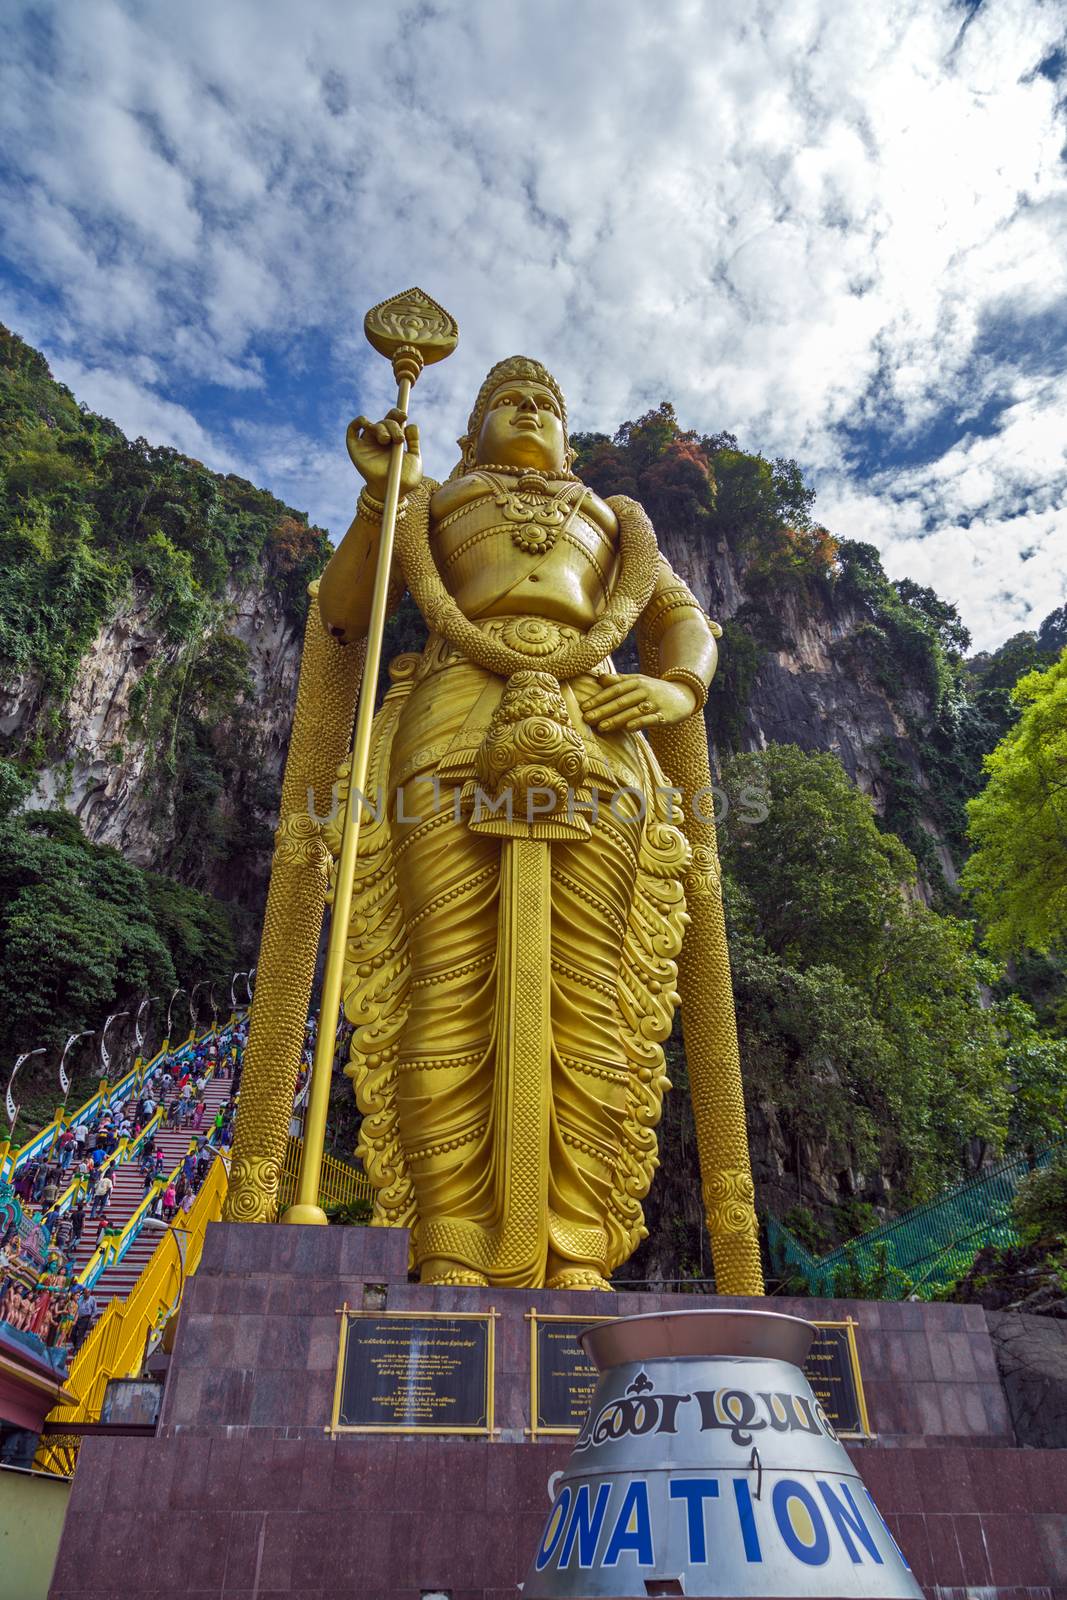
(631, 701)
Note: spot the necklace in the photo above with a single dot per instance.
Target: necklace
(538, 515)
(638, 569)
(521, 472)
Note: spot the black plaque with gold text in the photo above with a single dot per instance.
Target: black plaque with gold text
(429, 1372)
(563, 1377)
(832, 1369)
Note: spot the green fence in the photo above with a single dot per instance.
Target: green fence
(932, 1244)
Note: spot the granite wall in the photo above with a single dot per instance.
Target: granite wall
(243, 1493)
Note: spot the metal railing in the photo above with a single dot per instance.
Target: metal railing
(113, 1244)
(340, 1184)
(931, 1244)
(107, 1096)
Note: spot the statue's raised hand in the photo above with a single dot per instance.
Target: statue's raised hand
(370, 444)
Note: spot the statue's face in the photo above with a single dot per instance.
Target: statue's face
(523, 427)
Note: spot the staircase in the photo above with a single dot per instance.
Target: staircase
(117, 1280)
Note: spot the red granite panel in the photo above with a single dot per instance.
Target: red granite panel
(1046, 1478)
(244, 1543)
(246, 1296)
(1051, 1533)
(928, 1404)
(181, 1399)
(997, 1413)
(944, 1479)
(275, 1562)
(357, 1555)
(284, 1342)
(75, 1563)
(311, 1534)
(323, 1341)
(195, 1338)
(1015, 1554)
(946, 1562)
(225, 1397)
(191, 1478)
(318, 1390)
(907, 1356)
(275, 1398)
(973, 1551)
(999, 1485)
(909, 1531)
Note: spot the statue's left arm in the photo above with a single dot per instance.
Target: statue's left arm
(684, 645)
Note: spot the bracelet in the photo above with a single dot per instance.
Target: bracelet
(373, 510)
(693, 680)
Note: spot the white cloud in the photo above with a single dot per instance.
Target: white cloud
(786, 217)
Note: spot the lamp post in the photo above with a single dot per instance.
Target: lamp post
(170, 1008)
(139, 1032)
(194, 1009)
(105, 1054)
(181, 1241)
(64, 1076)
(13, 1109)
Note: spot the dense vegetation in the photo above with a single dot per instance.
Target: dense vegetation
(94, 526)
(1018, 872)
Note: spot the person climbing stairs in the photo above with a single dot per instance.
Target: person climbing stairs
(119, 1277)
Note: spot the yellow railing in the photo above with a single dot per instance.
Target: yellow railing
(115, 1347)
(339, 1183)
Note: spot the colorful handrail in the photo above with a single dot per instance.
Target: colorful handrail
(105, 1097)
(115, 1347)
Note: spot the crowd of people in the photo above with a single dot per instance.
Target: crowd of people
(38, 1294)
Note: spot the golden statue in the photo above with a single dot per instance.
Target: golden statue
(535, 838)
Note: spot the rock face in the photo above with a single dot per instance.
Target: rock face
(1031, 1354)
(819, 687)
(112, 770)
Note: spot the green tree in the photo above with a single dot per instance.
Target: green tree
(84, 932)
(860, 1011)
(1017, 873)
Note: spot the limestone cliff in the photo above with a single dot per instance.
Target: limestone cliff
(113, 766)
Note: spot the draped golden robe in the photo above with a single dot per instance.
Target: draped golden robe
(510, 987)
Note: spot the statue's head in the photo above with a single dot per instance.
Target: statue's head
(519, 420)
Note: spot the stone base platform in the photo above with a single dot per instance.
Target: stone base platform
(242, 1492)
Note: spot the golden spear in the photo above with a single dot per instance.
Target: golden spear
(411, 330)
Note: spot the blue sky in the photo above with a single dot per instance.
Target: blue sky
(834, 228)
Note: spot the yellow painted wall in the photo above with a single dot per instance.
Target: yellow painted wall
(32, 1508)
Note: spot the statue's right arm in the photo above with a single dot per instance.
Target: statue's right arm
(346, 586)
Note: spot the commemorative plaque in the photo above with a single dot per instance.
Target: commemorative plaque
(562, 1377)
(414, 1372)
(833, 1370)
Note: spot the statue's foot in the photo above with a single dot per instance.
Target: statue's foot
(438, 1270)
(578, 1278)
